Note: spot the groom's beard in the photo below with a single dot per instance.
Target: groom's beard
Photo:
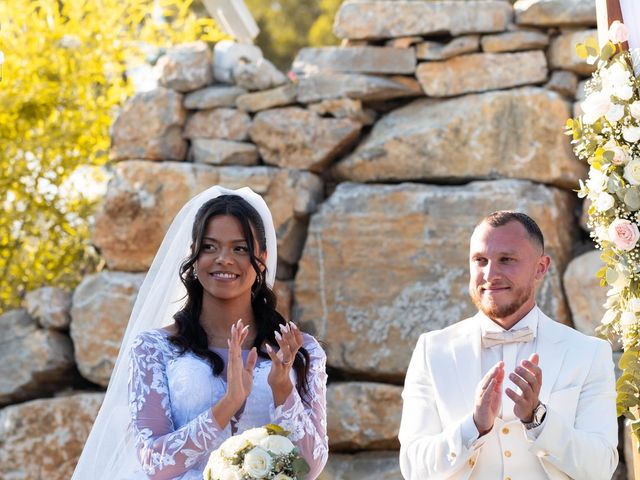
(495, 311)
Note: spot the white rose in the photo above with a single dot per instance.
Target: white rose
(635, 109)
(255, 435)
(619, 155)
(618, 32)
(609, 316)
(257, 463)
(632, 172)
(627, 319)
(230, 473)
(282, 476)
(604, 202)
(631, 134)
(232, 444)
(615, 113)
(277, 444)
(634, 305)
(602, 233)
(597, 181)
(595, 106)
(614, 77)
(623, 92)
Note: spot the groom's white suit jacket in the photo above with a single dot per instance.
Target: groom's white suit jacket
(579, 434)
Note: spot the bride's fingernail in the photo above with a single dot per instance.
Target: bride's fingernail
(278, 336)
(269, 349)
(293, 325)
(245, 329)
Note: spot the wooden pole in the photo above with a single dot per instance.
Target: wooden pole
(608, 11)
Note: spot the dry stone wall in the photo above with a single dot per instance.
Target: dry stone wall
(377, 158)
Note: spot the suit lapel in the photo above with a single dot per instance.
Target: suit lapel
(467, 361)
(551, 352)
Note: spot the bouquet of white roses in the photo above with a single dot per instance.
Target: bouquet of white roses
(263, 452)
(607, 136)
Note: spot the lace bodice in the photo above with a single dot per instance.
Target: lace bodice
(170, 400)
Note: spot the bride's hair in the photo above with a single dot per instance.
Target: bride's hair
(190, 336)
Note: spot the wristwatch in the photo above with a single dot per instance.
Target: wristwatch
(538, 417)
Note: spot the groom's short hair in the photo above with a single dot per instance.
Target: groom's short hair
(502, 217)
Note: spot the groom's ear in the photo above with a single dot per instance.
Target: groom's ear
(542, 266)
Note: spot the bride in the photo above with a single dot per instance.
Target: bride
(188, 377)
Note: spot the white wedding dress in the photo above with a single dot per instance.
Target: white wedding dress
(170, 399)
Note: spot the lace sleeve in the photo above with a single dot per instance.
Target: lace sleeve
(308, 422)
(164, 452)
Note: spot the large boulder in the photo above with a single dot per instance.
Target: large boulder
(431, 50)
(34, 362)
(221, 123)
(150, 127)
(362, 466)
(515, 41)
(102, 304)
(327, 86)
(50, 307)
(275, 97)
(550, 13)
(491, 71)
(515, 134)
(142, 199)
(223, 152)
(297, 138)
(213, 97)
(365, 59)
(383, 264)
(257, 74)
(562, 52)
(584, 293)
(44, 438)
(186, 67)
(375, 408)
(369, 19)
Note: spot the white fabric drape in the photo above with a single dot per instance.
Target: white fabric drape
(631, 16)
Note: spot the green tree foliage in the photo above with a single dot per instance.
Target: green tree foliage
(64, 78)
(286, 26)
(321, 32)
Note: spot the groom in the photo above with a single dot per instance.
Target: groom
(508, 393)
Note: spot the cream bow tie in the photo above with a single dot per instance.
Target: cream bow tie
(491, 339)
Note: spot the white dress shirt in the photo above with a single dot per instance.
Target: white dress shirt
(512, 354)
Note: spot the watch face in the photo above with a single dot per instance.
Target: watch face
(538, 413)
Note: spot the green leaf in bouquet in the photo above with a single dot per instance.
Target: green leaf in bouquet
(274, 429)
(581, 51)
(300, 467)
(601, 273)
(630, 360)
(608, 155)
(611, 276)
(632, 199)
(607, 51)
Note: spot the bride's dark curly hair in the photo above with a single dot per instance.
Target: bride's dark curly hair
(190, 336)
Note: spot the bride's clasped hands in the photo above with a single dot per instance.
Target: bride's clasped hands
(240, 373)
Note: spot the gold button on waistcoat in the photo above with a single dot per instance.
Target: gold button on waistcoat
(507, 453)
(505, 430)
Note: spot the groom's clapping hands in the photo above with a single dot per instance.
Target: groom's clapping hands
(488, 399)
(528, 377)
